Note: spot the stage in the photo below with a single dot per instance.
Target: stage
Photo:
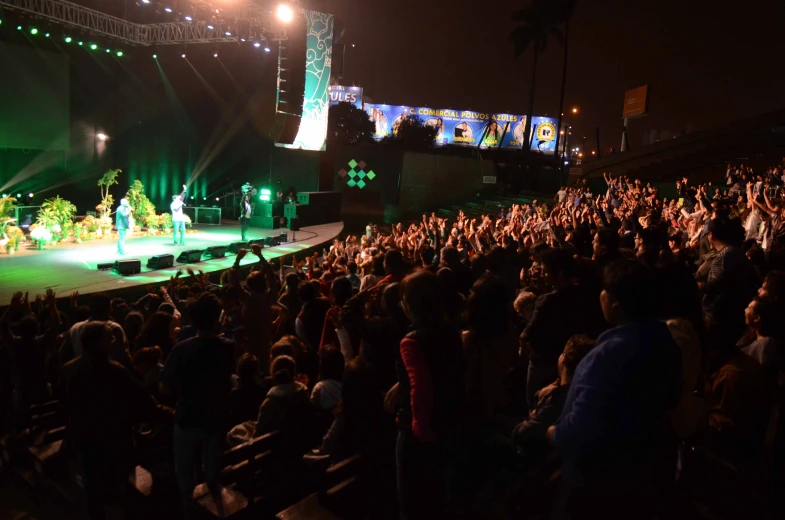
(73, 267)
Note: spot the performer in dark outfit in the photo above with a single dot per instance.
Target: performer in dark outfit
(246, 210)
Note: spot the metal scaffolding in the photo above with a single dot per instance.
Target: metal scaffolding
(247, 21)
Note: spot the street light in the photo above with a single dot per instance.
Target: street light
(284, 13)
(574, 110)
(102, 137)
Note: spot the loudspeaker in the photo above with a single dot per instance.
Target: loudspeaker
(286, 127)
(272, 241)
(265, 209)
(236, 246)
(259, 241)
(190, 257)
(290, 210)
(215, 251)
(105, 267)
(160, 262)
(283, 237)
(294, 225)
(304, 198)
(126, 267)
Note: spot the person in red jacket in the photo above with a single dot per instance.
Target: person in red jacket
(430, 400)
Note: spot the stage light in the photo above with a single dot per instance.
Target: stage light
(228, 33)
(4, 195)
(68, 39)
(215, 55)
(192, 197)
(257, 44)
(155, 56)
(188, 18)
(108, 51)
(30, 195)
(46, 35)
(81, 43)
(284, 13)
(93, 46)
(182, 55)
(145, 1)
(210, 26)
(102, 136)
(119, 54)
(33, 31)
(575, 110)
(242, 39)
(265, 195)
(267, 49)
(18, 27)
(18, 195)
(168, 9)
(218, 198)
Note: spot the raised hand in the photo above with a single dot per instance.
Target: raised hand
(256, 249)
(240, 254)
(16, 300)
(50, 297)
(73, 299)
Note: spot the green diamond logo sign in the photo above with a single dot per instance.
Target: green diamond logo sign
(356, 176)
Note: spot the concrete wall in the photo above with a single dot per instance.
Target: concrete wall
(429, 180)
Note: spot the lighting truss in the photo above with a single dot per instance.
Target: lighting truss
(261, 21)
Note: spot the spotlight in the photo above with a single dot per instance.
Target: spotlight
(18, 27)
(93, 46)
(18, 195)
(228, 33)
(257, 44)
(267, 49)
(108, 51)
(68, 39)
(119, 54)
(33, 31)
(145, 1)
(102, 137)
(284, 13)
(168, 9)
(155, 56)
(188, 18)
(242, 39)
(80, 43)
(215, 55)
(46, 35)
(210, 26)
(182, 55)
(30, 195)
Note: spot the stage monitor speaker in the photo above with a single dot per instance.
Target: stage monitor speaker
(283, 237)
(265, 209)
(105, 267)
(215, 251)
(126, 267)
(191, 256)
(290, 210)
(294, 224)
(304, 198)
(160, 262)
(272, 241)
(236, 246)
(259, 241)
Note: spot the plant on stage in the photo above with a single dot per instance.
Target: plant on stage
(78, 231)
(40, 234)
(187, 220)
(14, 235)
(165, 221)
(56, 214)
(108, 180)
(7, 205)
(90, 224)
(144, 210)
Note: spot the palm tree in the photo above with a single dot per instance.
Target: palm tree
(537, 23)
(566, 8)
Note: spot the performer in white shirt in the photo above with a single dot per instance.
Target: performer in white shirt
(178, 219)
(246, 211)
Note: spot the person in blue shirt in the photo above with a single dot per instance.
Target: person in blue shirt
(122, 223)
(613, 434)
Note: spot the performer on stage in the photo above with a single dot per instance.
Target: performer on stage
(123, 224)
(246, 210)
(178, 219)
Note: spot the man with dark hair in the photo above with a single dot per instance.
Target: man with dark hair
(351, 266)
(570, 309)
(102, 401)
(614, 454)
(730, 284)
(199, 371)
(100, 310)
(530, 434)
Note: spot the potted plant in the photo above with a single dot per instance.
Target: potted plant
(13, 235)
(90, 226)
(78, 230)
(40, 234)
(166, 222)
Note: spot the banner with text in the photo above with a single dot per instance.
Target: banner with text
(353, 95)
(466, 128)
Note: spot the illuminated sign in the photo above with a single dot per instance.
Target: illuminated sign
(636, 102)
(467, 128)
(353, 95)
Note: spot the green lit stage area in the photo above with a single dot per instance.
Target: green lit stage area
(74, 267)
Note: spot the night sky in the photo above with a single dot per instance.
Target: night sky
(706, 63)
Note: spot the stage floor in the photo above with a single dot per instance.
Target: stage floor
(73, 267)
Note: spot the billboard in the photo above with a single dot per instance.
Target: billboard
(636, 102)
(467, 128)
(353, 95)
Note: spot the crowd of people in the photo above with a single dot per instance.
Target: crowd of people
(606, 339)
